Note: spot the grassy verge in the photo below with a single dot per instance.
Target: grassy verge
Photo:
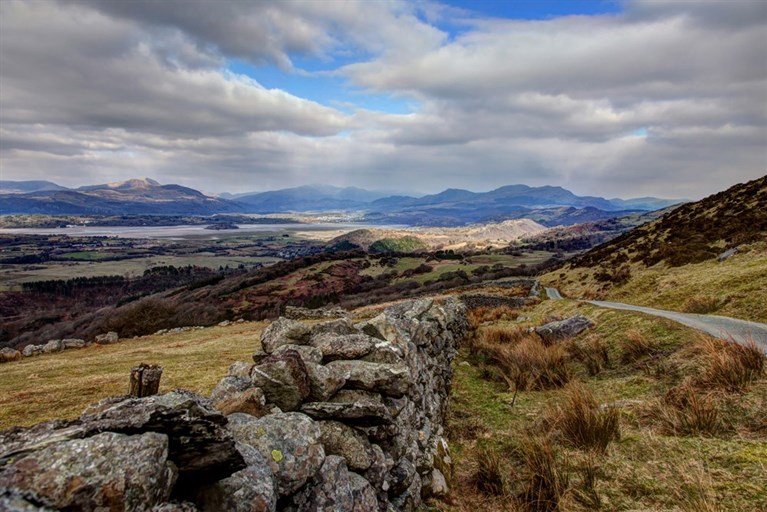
(612, 436)
(61, 385)
(734, 287)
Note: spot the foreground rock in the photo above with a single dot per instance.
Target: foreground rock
(105, 472)
(563, 329)
(8, 354)
(107, 338)
(369, 435)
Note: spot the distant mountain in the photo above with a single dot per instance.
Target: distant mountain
(452, 207)
(309, 198)
(25, 187)
(645, 203)
(135, 196)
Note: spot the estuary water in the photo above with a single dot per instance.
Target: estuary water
(187, 231)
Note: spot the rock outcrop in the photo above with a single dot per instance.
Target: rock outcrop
(563, 329)
(353, 424)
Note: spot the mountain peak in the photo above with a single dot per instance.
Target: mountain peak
(141, 183)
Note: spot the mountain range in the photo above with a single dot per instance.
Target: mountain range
(453, 207)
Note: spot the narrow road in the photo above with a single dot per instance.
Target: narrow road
(722, 327)
(553, 293)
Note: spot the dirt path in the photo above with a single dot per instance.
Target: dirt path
(718, 326)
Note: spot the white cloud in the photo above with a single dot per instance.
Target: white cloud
(94, 91)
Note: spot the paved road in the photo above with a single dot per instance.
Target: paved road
(718, 326)
(553, 293)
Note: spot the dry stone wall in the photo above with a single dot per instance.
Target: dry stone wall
(335, 416)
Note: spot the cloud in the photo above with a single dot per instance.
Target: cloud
(664, 98)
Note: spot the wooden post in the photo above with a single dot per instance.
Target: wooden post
(145, 380)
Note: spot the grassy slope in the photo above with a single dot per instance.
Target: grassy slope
(738, 284)
(644, 470)
(61, 385)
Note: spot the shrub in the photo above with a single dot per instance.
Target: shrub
(583, 424)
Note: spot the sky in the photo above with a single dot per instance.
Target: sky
(617, 98)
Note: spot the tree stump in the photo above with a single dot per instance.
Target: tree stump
(145, 380)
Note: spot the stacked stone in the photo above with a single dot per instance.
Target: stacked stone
(330, 417)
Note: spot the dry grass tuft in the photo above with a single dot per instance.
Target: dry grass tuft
(502, 335)
(546, 483)
(684, 411)
(529, 364)
(582, 423)
(729, 366)
(490, 477)
(702, 304)
(479, 316)
(592, 352)
(636, 346)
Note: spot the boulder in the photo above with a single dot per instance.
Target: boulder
(290, 443)
(562, 329)
(32, 350)
(107, 471)
(283, 379)
(284, 332)
(344, 346)
(15, 501)
(726, 255)
(8, 354)
(385, 352)
(174, 506)
(70, 343)
(348, 442)
(253, 489)
(438, 484)
(308, 353)
(228, 386)
(200, 446)
(240, 369)
(352, 407)
(250, 401)
(339, 327)
(336, 488)
(52, 346)
(324, 382)
(107, 338)
(259, 355)
(388, 379)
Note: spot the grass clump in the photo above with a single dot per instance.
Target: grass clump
(479, 316)
(684, 411)
(702, 304)
(729, 366)
(582, 423)
(530, 365)
(546, 482)
(636, 345)
(592, 353)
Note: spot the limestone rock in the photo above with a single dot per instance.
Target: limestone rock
(308, 353)
(438, 484)
(324, 382)
(8, 354)
(562, 329)
(290, 442)
(108, 338)
(107, 471)
(344, 346)
(284, 332)
(385, 352)
(348, 442)
(259, 355)
(283, 379)
(392, 380)
(252, 489)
